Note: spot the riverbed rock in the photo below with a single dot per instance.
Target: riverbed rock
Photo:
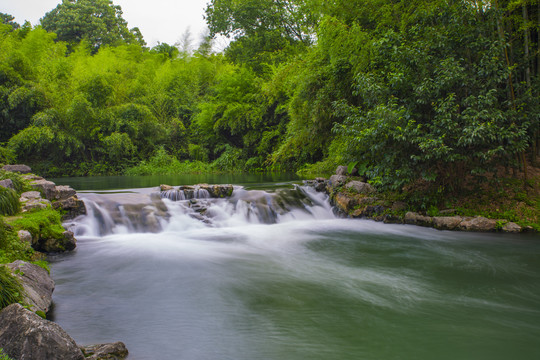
(47, 188)
(345, 202)
(512, 228)
(413, 218)
(37, 283)
(52, 245)
(447, 222)
(22, 169)
(112, 351)
(360, 187)
(63, 192)
(478, 223)
(217, 191)
(25, 335)
(7, 183)
(164, 187)
(72, 207)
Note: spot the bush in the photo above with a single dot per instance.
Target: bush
(46, 224)
(11, 290)
(9, 202)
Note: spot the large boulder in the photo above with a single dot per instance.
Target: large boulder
(345, 202)
(37, 283)
(25, 335)
(360, 187)
(447, 222)
(23, 169)
(478, 223)
(413, 218)
(72, 207)
(336, 181)
(47, 188)
(63, 192)
(112, 351)
(342, 170)
(512, 228)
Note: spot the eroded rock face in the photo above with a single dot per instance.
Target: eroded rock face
(72, 206)
(64, 192)
(23, 169)
(37, 283)
(413, 218)
(47, 188)
(112, 351)
(345, 202)
(25, 335)
(447, 222)
(478, 223)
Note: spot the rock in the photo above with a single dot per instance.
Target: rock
(164, 187)
(367, 201)
(7, 183)
(25, 335)
(360, 187)
(344, 202)
(32, 204)
(318, 184)
(374, 210)
(342, 170)
(30, 195)
(31, 177)
(511, 228)
(478, 223)
(52, 245)
(72, 206)
(25, 236)
(392, 219)
(113, 351)
(336, 181)
(413, 218)
(217, 191)
(47, 188)
(23, 169)
(37, 283)
(64, 192)
(447, 222)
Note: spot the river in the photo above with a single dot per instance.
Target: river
(272, 274)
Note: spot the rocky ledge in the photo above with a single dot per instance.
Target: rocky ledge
(198, 191)
(355, 198)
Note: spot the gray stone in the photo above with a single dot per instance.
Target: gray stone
(478, 223)
(25, 236)
(413, 218)
(336, 181)
(47, 188)
(342, 170)
(511, 228)
(72, 207)
(7, 183)
(37, 283)
(64, 192)
(113, 351)
(217, 191)
(164, 187)
(52, 245)
(30, 195)
(360, 187)
(23, 169)
(447, 222)
(25, 335)
(35, 204)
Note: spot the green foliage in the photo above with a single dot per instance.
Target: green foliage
(11, 291)
(8, 20)
(164, 164)
(3, 356)
(19, 183)
(11, 248)
(9, 201)
(43, 224)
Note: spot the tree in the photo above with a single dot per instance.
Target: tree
(99, 22)
(8, 20)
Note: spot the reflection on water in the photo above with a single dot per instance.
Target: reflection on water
(303, 286)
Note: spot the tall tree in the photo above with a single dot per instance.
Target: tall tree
(8, 19)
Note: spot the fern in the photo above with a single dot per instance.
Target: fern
(11, 291)
(9, 202)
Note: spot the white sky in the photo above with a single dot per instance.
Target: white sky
(159, 20)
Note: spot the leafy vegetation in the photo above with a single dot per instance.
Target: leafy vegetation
(435, 94)
(11, 291)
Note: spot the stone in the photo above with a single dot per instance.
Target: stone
(336, 181)
(112, 351)
(478, 223)
(373, 211)
(392, 219)
(511, 228)
(33, 204)
(64, 192)
(367, 201)
(360, 187)
(72, 207)
(413, 218)
(7, 183)
(25, 236)
(30, 195)
(25, 335)
(47, 188)
(23, 169)
(344, 202)
(164, 187)
(52, 245)
(447, 222)
(37, 283)
(342, 170)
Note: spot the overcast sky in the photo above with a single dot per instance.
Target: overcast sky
(159, 20)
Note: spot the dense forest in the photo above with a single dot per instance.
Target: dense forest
(429, 90)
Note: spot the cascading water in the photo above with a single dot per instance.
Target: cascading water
(273, 274)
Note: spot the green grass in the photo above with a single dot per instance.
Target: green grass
(9, 202)
(46, 223)
(11, 248)
(3, 356)
(11, 291)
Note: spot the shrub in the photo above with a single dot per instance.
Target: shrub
(9, 202)
(11, 290)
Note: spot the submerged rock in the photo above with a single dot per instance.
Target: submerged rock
(37, 283)
(25, 335)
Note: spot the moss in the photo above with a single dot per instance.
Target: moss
(9, 202)
(42, 224)
(11, 248)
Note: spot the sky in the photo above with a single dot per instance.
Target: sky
(159, 20)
